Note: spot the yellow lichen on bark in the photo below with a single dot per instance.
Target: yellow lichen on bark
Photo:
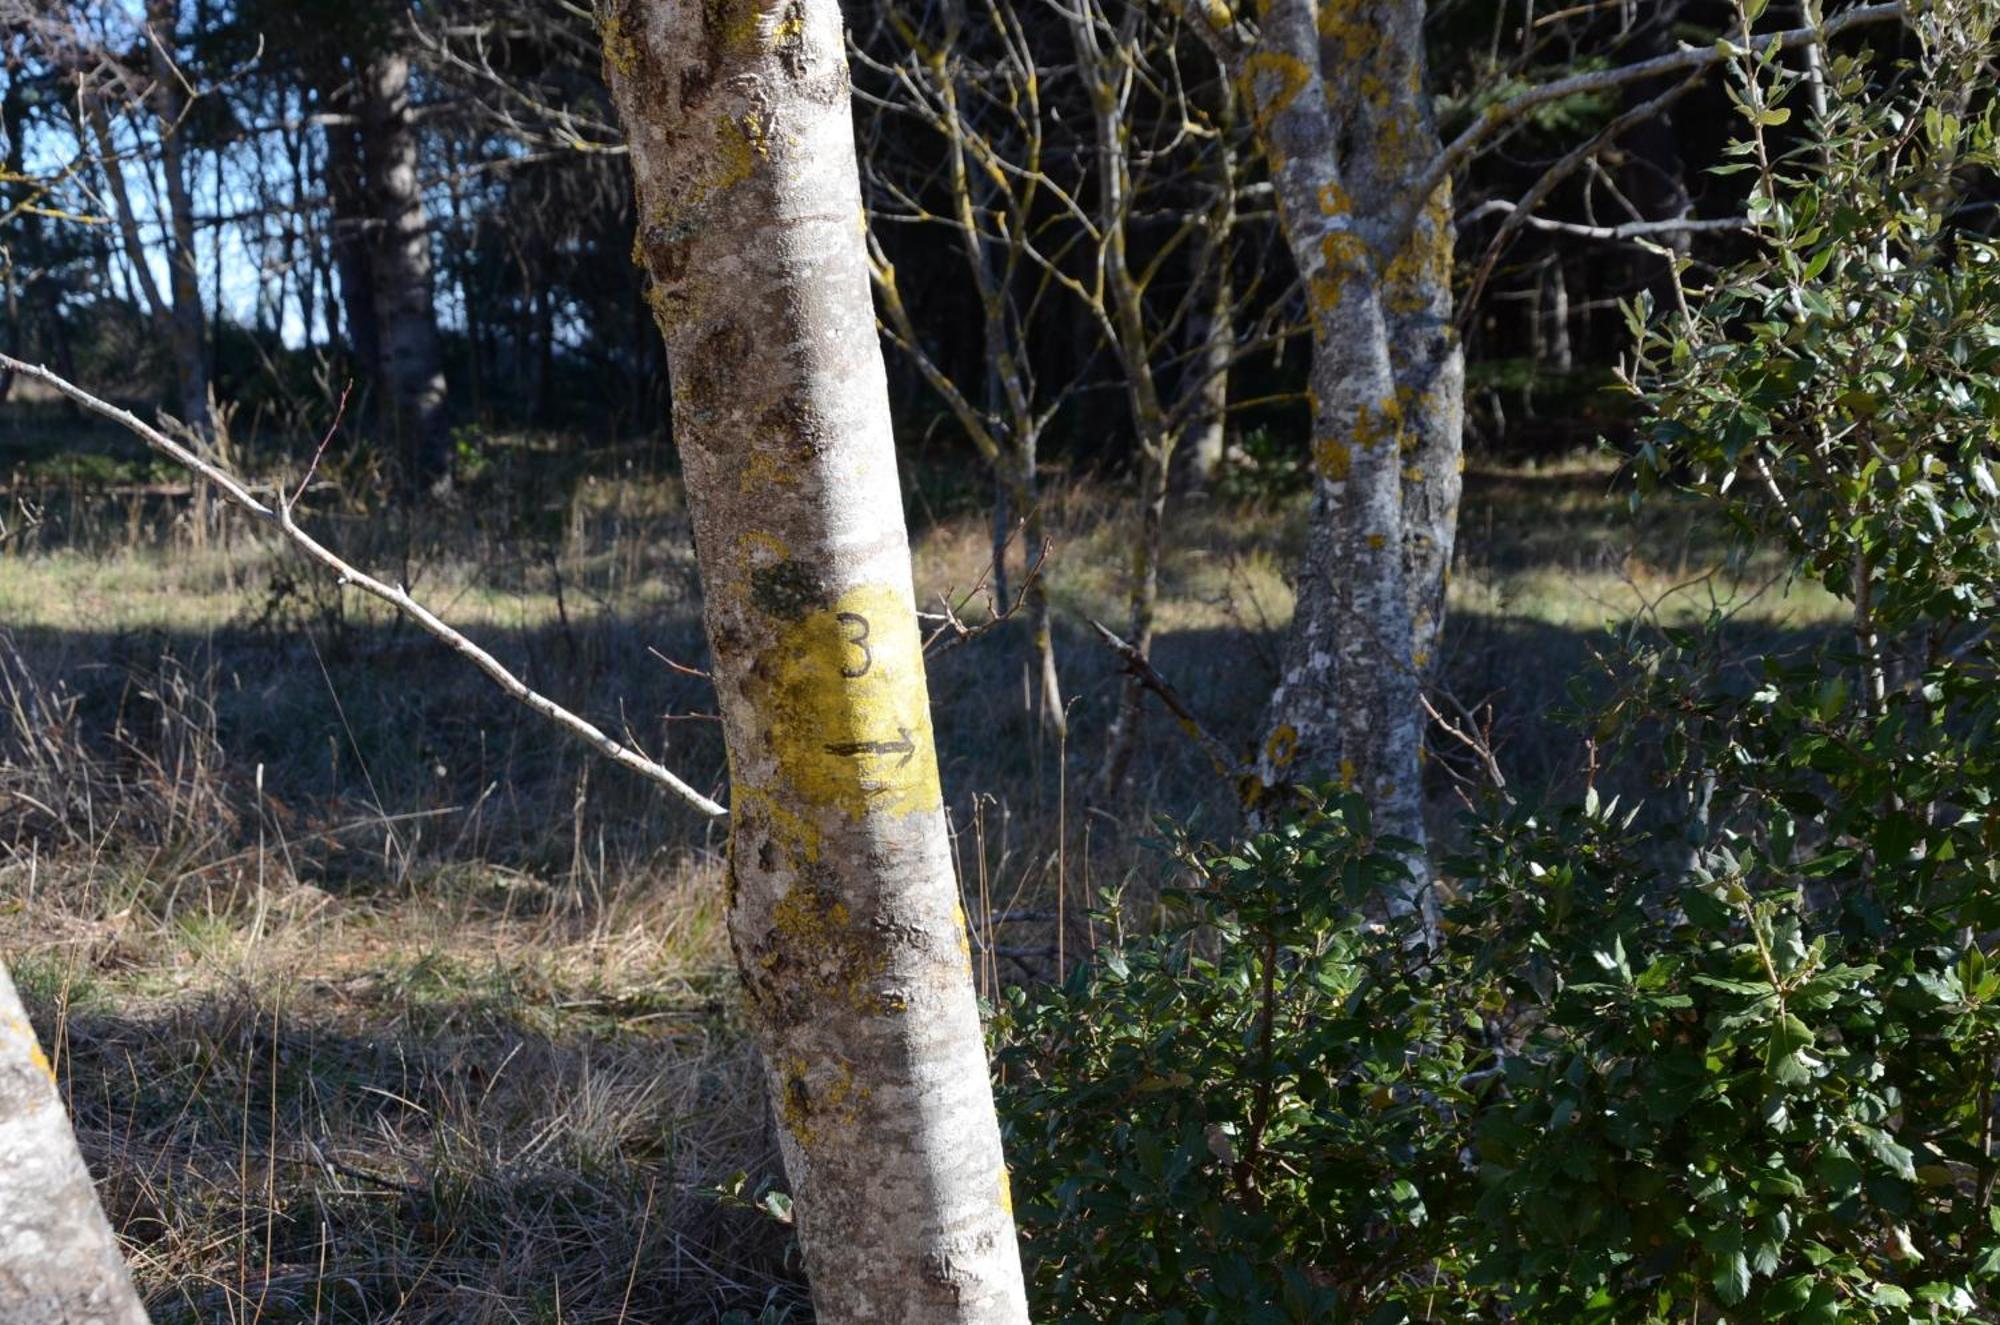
(1332, 458)
(1259, 69)
(1343, 255)
(620, 51)
(1382, 423)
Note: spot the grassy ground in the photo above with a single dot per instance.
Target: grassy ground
(377, 1001)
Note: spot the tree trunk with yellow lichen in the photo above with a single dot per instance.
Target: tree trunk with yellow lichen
(844, 914)
(59, 1262)
(1337, 98)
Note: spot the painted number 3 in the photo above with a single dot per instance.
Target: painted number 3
(854, 629)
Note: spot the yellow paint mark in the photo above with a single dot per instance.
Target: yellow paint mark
(1006, 1192)
(798, 836)
(849, 720)
(964, 936)
(1283, 745)
(814, 938)
(1376, 542)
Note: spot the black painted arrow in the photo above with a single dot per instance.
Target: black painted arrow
(902, 745)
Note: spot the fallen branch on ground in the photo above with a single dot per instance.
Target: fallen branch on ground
(278, 514)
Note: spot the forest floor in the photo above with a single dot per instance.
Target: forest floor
(375, 1000)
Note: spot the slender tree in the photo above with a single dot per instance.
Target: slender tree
(183, 313)
(412, 368)
(843, 911)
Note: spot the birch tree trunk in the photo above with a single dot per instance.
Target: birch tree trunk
(844, 913)
(59, 1262)
(405, 318)
(1387, 385)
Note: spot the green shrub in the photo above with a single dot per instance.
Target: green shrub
(1737, 1066)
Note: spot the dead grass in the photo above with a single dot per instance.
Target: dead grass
(377, 1001)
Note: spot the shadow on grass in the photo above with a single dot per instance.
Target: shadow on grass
(368, 1148)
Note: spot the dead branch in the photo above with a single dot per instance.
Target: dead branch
(1138, 666)
(280, 516)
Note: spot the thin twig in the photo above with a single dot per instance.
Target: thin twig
(397, 597)
(1504, 113)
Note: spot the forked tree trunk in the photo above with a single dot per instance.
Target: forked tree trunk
(844, 915)
(406, 320)
(59, 1262)
(1387, 384)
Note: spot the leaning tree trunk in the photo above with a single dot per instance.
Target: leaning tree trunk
(400, 260)
(1386, 383)
(59, 1262)
(844, 914)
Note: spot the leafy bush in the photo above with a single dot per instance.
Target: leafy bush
(1740, 1066)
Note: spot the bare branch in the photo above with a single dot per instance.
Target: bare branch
(280, 517)
(1691, 59)
(1139, 667)
(1681, 225)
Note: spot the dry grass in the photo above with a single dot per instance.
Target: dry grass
(376, 1001)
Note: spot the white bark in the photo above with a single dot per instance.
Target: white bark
(59, 1261)
(843, 911)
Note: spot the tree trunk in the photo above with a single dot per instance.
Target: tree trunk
(347, 188)
(1214, 339)
(185, 321)
(59, 1260)
(1107, 69)
(412, 368)
(1387, 379)
(844, 915)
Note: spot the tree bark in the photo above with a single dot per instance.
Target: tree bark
(844, 915)
(1386, 380)
(411, 364)
(185, 321)
(347, 188)
(1107, 68)
(59, 1261)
